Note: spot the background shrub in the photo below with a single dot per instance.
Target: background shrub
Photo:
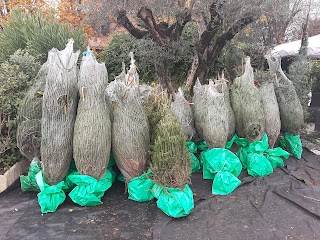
(147, 53)
(16, 76)
(36, 33)
(315, 74)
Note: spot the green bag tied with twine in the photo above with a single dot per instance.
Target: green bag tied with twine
(50, 197)
(157, 190)
(224, 183)
(175, 202)
(220, 160)
(29, 183)
(257, 158)
(192, 148)
(140, 188)
(88, 190)
(292, 144)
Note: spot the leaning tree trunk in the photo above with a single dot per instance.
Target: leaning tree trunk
(212, 40)
(163, 72)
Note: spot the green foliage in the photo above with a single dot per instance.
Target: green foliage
(26, 62)
(147, 53)
(300, 75)
(232, 58)
(315, 75)
(118, 52)
(171, 164)
(16, 77)
(36, 33)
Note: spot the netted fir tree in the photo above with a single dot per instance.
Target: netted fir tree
(157, 101)
(171, 165)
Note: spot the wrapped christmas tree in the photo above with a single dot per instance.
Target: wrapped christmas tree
(222, 86)
(29, 117)
(130, 128)
(215, 129)
(199, 107)
(171, 166)
(183, 112)
(246, 103)
(170, 157)
(92, 129)
(291, 111)
(270, 106)
(59, 109)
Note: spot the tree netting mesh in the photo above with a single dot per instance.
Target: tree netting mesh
(58, 113)
(215, 119)
(291, 112)
(270, 106)
(222, 86)
(183, 112)
(132, 76)
(29, 117)
(199, 107)
(92, 129)
(247, 105)
(130, 128)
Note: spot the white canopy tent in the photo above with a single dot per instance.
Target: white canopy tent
(292, 48)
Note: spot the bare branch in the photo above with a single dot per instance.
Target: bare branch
(232, 31)
(159, 35)
(213, 27)
(176, 29)
(123, 20)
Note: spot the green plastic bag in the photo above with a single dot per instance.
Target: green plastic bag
(281, 142)
(224, 183)
(50, 197)
(220, 159)
(258, 165)
(274, 156)
(230, 143)
(29, 183)
(140, 188)
(257, 158)
(175, 202)
(201, 157)
(294, 144)
(203, 146)
(259, 146)
(156, 191)
(195, 166)
(89, 191)
(242, 154)
(192, 147)
(242, 142)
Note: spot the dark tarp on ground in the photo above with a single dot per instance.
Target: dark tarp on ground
(284, 205)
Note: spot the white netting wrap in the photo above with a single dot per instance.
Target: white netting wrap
(59, 108)
(92, 129)
(246, 103)
(291, 112)
(183, 112)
